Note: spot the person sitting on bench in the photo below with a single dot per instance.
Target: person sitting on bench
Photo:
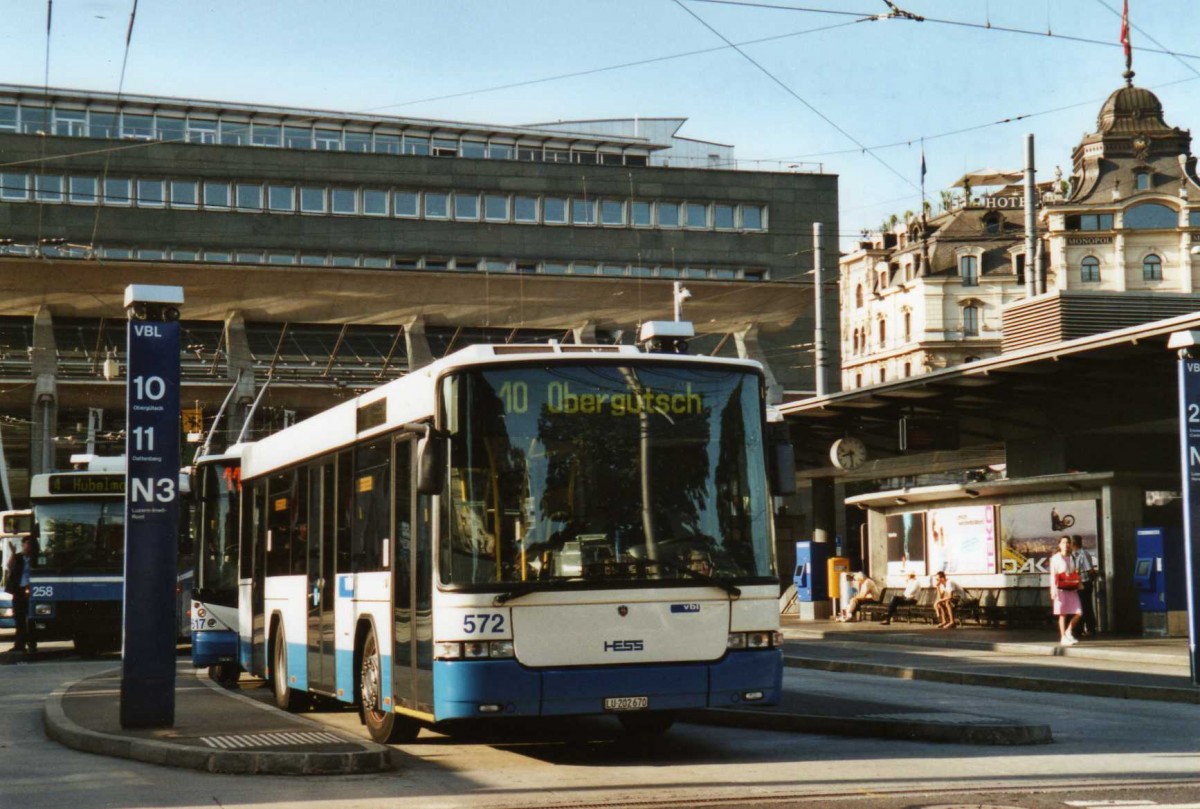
(867, 591)
(911, 588)
(948, 594)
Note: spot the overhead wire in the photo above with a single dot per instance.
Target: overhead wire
(45, 89)
(120, 91)
(989, 26)
(787, 89)
(1141, 31)
(593, 71)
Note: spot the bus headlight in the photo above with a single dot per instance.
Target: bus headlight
(43, 609)
(447, 651)
(755, 640)
(474, 650)
(758, 640)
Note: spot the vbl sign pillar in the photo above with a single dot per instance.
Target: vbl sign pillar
(1189, 439)
(151, 507)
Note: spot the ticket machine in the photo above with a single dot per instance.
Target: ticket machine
(1158, 579)
(812, 579)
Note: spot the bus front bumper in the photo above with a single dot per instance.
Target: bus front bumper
(468, 689)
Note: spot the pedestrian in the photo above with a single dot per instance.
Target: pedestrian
(909, 597)
(943, 604)
(1064, 591)
(1087, 577)
(20, 565)
(866, 591)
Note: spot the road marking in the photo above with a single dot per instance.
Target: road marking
(270, 740)
(940, 717)
(1116, 804)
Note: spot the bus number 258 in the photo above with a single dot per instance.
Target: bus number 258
(483, 622)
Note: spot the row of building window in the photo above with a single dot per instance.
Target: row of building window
(380, 262)
(228, 129)
(1147, 216)
(860, 337)
(1089, 269)
(318, 200)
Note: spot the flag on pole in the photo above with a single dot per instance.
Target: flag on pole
(923, 171)
(1125, 36)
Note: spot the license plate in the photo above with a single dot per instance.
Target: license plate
(626, 703)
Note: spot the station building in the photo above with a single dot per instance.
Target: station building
(331, 251)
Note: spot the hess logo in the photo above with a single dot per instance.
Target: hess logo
(623, 646)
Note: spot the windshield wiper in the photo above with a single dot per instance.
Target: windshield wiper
(516, 591)
(726, 585)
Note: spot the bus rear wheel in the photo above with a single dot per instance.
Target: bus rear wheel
(384, 726)
(286, 697)
(647, 724)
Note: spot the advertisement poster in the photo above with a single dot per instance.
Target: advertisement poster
(906, 543)
(962, 540)
(1029, 532)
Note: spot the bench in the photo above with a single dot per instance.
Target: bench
(966, 607)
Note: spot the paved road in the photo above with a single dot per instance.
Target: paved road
(1116, 744)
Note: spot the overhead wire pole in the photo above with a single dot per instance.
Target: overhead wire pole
(818, 313)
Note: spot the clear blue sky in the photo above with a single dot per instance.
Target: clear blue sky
(880, 81)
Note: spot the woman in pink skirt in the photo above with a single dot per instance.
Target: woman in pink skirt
(1066, 602)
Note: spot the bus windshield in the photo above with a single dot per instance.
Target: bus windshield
(81, 535)
(218, 487)
(605, 473)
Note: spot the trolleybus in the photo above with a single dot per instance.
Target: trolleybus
(77, 585)
(515, 531)
(216, 499)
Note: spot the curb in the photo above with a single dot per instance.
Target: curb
(236, 762)
(1112, 690)
(991, 734)
(1047, 649)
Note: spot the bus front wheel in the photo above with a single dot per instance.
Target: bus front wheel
(385, 726)
(286, 697)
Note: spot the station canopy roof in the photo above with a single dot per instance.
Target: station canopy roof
(1118, 385)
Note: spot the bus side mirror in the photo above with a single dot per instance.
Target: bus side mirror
(781, 460)
(431, 464)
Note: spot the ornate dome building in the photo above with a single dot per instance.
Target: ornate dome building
(1120, 240)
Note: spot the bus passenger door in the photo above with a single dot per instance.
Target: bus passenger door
(321, 578)
(423, 600)
(403, 653)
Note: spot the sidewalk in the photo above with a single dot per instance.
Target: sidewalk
(216, 730)
(1020, 658)
(219, 730)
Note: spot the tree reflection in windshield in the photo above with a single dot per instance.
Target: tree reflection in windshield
(605, 472)
(81, 535)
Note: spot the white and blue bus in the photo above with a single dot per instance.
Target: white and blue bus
(518, 531)
(77, 586)
(216, 492)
